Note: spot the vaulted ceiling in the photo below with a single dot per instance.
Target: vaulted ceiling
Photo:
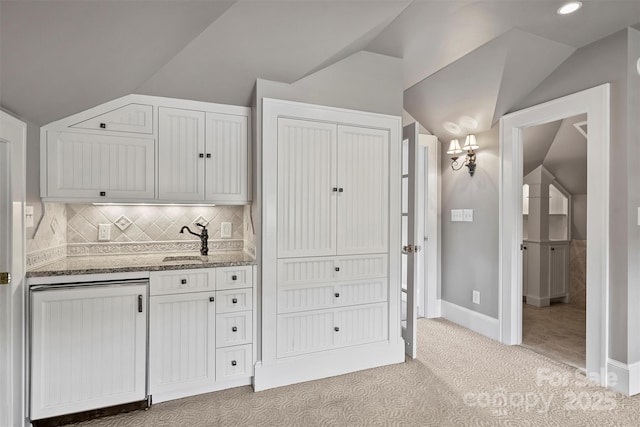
(460, 57)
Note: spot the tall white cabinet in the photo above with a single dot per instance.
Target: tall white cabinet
(330, 247)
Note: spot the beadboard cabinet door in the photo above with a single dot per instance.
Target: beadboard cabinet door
(88, 348)
(363, 203)
(181, 154)
(181, 341)
(307, 189)
(226, 170)
(105, 167)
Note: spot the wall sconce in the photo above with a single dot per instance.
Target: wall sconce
(470, 144)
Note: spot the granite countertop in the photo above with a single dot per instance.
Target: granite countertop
(143, 262)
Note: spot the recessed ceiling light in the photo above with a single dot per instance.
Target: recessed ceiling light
(451, 128)
(569, 8)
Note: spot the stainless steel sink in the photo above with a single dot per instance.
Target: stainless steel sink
(186, 258)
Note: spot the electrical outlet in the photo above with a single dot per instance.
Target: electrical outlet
(225, 230)
(104, 232)
(28, 216)
(467, 215)
(476, 297)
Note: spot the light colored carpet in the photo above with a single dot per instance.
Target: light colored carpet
(557, 331)
(459, 379)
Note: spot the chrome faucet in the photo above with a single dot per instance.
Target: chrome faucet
(204, 237)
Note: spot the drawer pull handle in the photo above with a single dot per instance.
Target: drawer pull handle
(234, 277)
(139, 303)
(337, 268)
(103, 125)
(212, 299)
(183, 281)
(337, 295)
(234, 329)
(234, 363)
(337, 329)
(235, 300)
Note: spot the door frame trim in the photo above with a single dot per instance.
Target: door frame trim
(594, 102)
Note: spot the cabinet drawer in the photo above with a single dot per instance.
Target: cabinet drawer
(233, 329)
(136, 118)
(234, 362)
(181, 281)
(321, 330)
(331, 269)
(293, 298)
(234, 300)
(234, 277)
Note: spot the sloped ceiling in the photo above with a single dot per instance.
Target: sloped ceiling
(460, 57)
(561, 149)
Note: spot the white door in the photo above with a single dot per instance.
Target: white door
(181, 154)
(226, 158)
(307, 189)
(411, 237)
(12, 262)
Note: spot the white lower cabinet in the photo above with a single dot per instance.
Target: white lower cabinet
(181, 341)
(201, 331)
(88, 348)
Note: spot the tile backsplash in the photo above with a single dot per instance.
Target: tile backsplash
(72, 229)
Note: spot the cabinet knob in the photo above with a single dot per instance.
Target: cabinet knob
(337, 268)
(337, 295)
(103, 194)
(208, 155)
(553, 249)
(335, 189)
(183, 281)
(234, 329)
(103, 125)
(340, 190)
(337, 329)
(212, 299)
(235, 300)
(201, 155)
(234, 277)
(234, 363)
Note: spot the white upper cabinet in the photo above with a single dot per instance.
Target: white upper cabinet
(333, 189)
(226, 162)
(133, 118)
(82, 165)
(148, 149)
(181, 154)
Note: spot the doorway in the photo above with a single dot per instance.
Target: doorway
(554, 234)
(595, 104)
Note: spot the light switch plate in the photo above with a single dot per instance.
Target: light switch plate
(456, 215)
(226, 230)
(28, 216)
(467, 215)
(476, 297)
(104, 232)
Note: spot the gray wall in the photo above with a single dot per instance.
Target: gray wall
(604, 61)
(470, 250)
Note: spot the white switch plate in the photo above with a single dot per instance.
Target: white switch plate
(28, 216)
(467, 215)
(476, 297)
(104, 232)
(225, 230)
(456, 215)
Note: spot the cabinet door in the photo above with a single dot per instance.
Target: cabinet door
(226, 158)
(88, 348)
(181, 154)
(307, 189)
(99, 167)
(558, 270)
(133, 118)
(363, 174)
(181, 341)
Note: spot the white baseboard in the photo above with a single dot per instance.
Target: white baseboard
(624, 378)
(477, 322)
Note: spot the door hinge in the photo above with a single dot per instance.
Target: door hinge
(5, 278)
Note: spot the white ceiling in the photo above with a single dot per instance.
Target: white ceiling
(460, 57)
